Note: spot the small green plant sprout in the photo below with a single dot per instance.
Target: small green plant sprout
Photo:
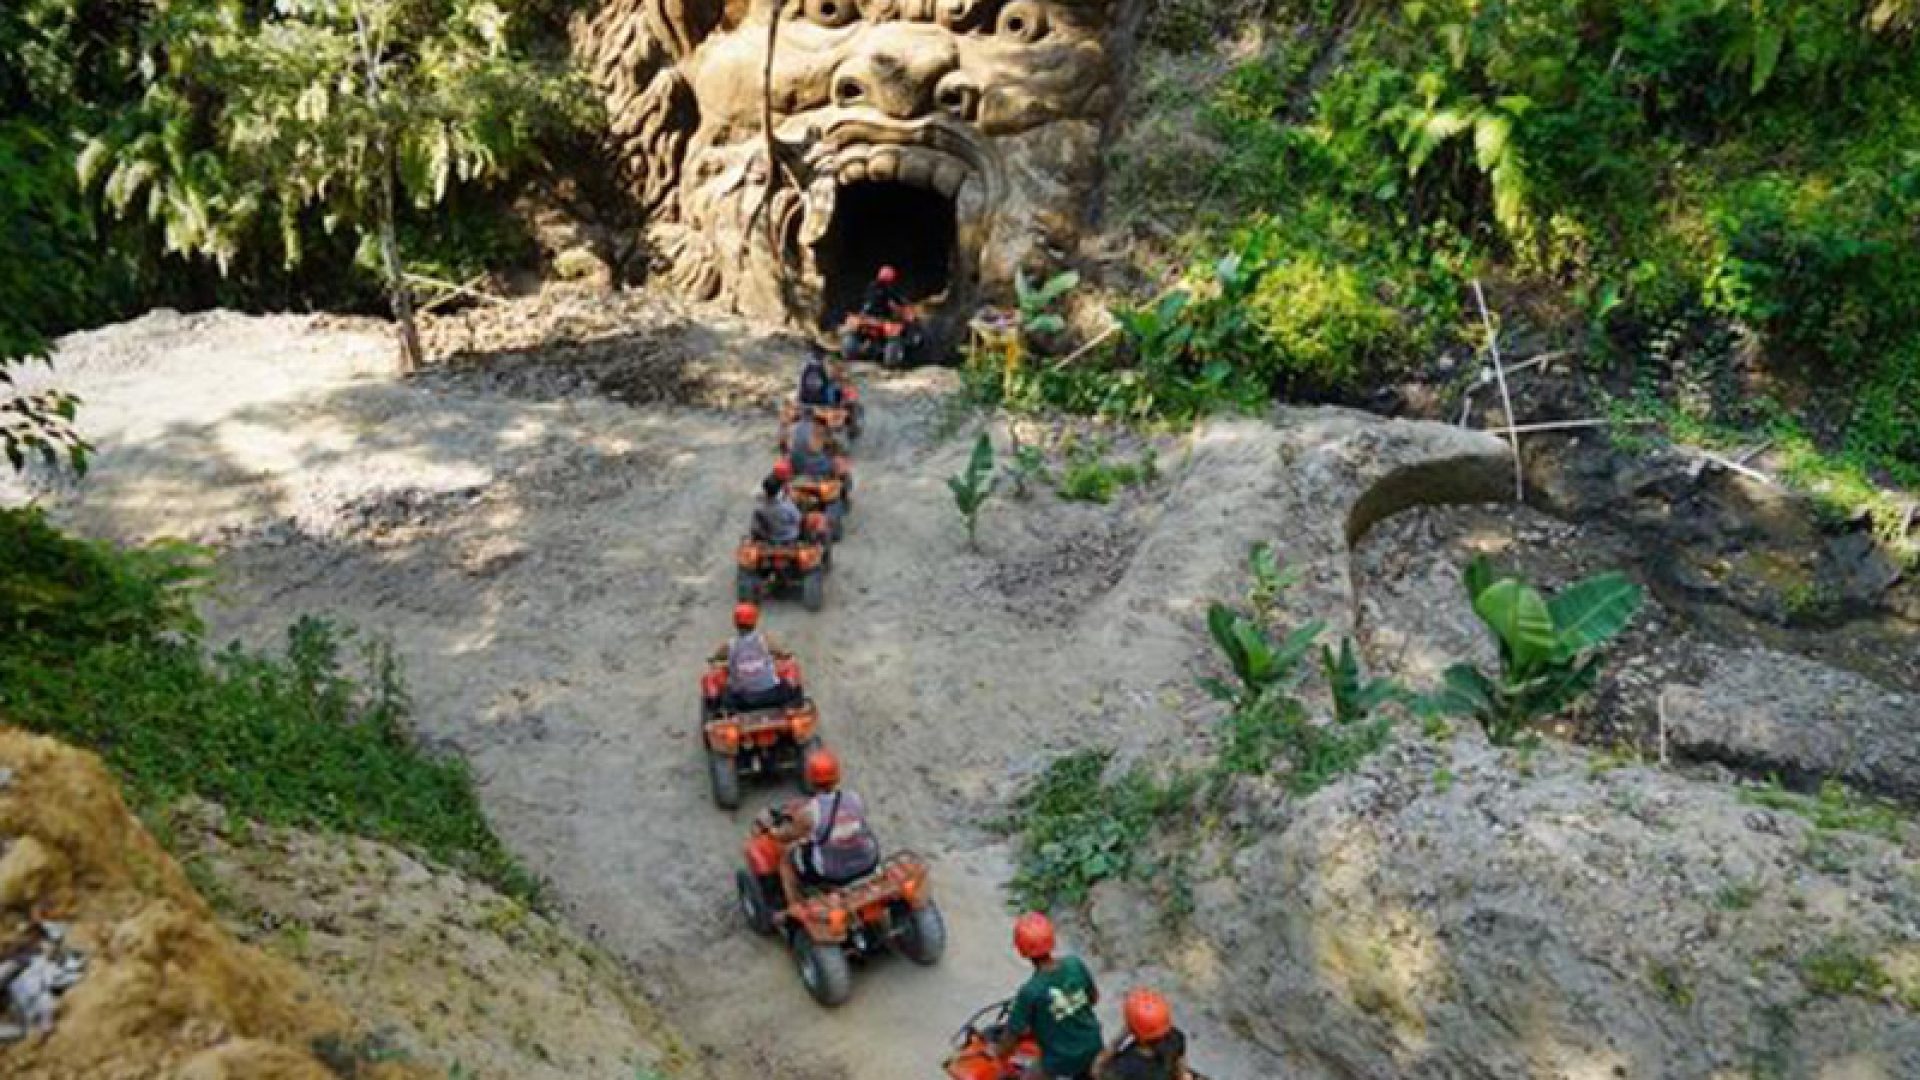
(1029, 467)
(1036, 300)
(1354, 698)
(972, 487)
(1270, 579)
(1265, 669)
(1550, 648)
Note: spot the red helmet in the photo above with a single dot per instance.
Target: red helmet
(746, 616)
(1149, 1016)
(1033, 936)
(887, 275)
(783, 470)
(823, 770)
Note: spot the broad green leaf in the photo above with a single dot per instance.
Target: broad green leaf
(1591, 612)
(1768, 39)
(1518, 615)
(1478, 577)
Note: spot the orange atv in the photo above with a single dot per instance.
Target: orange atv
(762, 568)
(976, 1054)
(891, 908)
(755, 742)
(842, 423)
(868, 337)
(829, 496)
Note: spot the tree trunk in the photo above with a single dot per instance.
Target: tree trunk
(399, 294)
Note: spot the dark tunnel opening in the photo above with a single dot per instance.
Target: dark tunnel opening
(909, 228)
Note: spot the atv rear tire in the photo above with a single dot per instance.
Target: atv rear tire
(923, 939)
(894, 355)
(851, 347)
(754, 906)
(813, 590)
(837, 521)
(723, 772)
(824, 970)
(746, 586)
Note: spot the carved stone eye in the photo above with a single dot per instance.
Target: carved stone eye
(1023, 21)
(832, 13)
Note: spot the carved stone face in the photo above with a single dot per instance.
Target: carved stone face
(946, 138)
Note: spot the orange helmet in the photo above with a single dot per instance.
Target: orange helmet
(887, 275)
(823, 770)
(783, 470)
(1149, 1017)
(1033, 936)
(746, 616)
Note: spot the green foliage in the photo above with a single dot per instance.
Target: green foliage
(1090, 477)
(1737, 896)
(1076, 828)
(251, 119)
(1265, 670)
(1550, 648)
(972, 487)
(1834, 807)
(1035, 301)
(102, 649)
(1838, 966)
(1355, 697)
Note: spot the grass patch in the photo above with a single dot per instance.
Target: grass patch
(103, 651)
(1836, 807)
(1839, 966)
(1076, 828)
(1090, 477)
(1737, 896)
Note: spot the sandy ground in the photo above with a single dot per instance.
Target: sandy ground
(553, 565)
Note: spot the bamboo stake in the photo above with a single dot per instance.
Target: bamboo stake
(1563, 425)
(1506, 399)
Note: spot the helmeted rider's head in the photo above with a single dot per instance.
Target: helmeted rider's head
(823, 770)
(1149, 1017)
(746, 616)
(772, 486)
(887, 276)
(1033, 937)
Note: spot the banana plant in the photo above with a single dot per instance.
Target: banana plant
(1354, 698)
(1263, 667)
(1551, 648)
(972, 487)
(1036, 300)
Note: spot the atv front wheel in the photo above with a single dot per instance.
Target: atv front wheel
(753, 902)
(723, 772)
(837, 521)
(813, 590)
(824, 969)
(746, 586)
(923, 939)
(894, 355)
(851, 347)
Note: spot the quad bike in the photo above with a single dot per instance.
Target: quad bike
(976, 1054)
(763, 568)
(755, 742)
(842, 423)
(829, 496)
(869, 337)
(889, 909)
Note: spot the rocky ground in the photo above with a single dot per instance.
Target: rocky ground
(546, 536)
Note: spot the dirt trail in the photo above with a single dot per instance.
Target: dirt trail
(553, 568)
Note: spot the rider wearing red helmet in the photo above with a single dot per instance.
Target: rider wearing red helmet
(776, 520)
(753, 677)
(883, 299)
(829, 841)
(1055, 1006)
(1151, 1049)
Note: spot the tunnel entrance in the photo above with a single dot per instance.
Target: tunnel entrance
(911, 229)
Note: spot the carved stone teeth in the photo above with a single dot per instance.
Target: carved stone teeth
(948, 176)
(916, 170)
(885, 166)
(853, 171)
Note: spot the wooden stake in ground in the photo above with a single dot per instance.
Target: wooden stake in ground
(1506, 399)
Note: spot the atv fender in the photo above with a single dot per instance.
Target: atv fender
(763, 855)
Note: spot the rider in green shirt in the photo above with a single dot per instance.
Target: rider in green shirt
(1055, 1006)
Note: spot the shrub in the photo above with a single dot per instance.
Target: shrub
(1321, 327)
(1076, 828)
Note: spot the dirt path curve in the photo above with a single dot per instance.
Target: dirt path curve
(553, 567)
